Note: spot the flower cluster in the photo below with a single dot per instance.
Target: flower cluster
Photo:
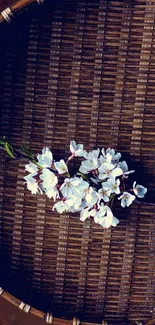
(92, 190)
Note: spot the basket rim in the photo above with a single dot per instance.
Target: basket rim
(47, 317)
(8, 13)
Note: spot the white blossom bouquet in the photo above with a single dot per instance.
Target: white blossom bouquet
(91, 190)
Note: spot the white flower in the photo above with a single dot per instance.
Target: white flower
(91, 196)
(126, 199)
(61, 207)
(105, 217)
(103, 159)
(52, 192)
(67, 188)
(107, 170)
(84, 214)
(32, 184)
(113, 185)
(95, 180)
(76, 149)
(104, 194)
(123, 165)
(91, 162)
(115, 155)
(49, 178)
(103, 151)
(109, 220)
(82, 206)
(70, 205)
(116, 172)
(75, 194)
(46, 158)
(61, 167)
(115, 221)
(75, 205)
(82, 186)
(74, 187)
(139, 190)
(87, 166)
(99, 214)
(31, 168)
(93, 155)
(110, 155)
(49, 183)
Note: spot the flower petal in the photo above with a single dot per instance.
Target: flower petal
(61, 167)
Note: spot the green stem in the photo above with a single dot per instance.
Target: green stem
(4, 145)
(83, 176)
(112, 200)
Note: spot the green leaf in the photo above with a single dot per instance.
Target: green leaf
(27, 152)
(9, 150)
(2, 143)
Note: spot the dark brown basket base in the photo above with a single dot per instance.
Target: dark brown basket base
(80, 70)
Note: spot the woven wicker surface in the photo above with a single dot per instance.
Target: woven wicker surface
(80, 70)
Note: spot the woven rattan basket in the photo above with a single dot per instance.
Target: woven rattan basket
(82, 70)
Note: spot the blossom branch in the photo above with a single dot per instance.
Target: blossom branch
(92, 190)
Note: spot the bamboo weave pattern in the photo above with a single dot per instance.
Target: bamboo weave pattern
(80, 70)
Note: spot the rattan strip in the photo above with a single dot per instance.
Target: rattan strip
(83, 270)
(30, 102)
(97, 72)
(76, 66)
(103, 272)
(56, 39)
(53, 73)
(126, 272)
(147, 37)
(125, 27)
(5, 126)
(61, 260)
(5, 112)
